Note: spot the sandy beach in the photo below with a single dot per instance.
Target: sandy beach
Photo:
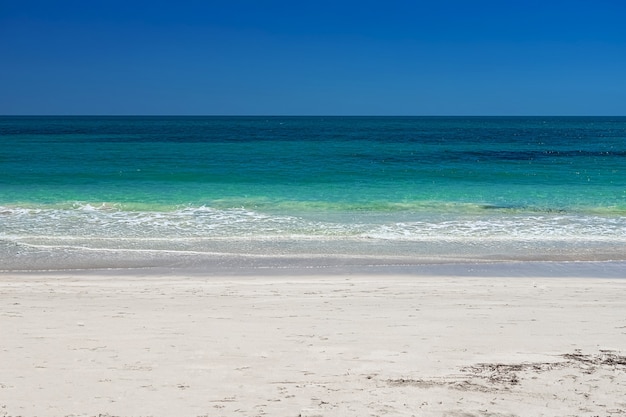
(167, 343)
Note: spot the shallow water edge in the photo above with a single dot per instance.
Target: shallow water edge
(87, 262)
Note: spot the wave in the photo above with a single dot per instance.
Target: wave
(442, 222)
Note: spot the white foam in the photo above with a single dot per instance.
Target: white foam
(190, 225)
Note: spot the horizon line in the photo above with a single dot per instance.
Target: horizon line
(311, 115)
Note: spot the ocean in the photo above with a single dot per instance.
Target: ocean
(108, 192)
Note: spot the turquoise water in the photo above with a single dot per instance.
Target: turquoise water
(410, 187)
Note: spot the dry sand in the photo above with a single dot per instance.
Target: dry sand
(131, 344)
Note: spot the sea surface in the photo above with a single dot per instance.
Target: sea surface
(106, 192)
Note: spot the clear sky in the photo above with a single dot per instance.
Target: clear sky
(323, 57)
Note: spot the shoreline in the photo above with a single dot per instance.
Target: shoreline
(361, 266)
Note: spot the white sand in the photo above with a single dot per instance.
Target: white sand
(126, 345)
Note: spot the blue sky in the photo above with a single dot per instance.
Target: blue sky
(238, 57)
